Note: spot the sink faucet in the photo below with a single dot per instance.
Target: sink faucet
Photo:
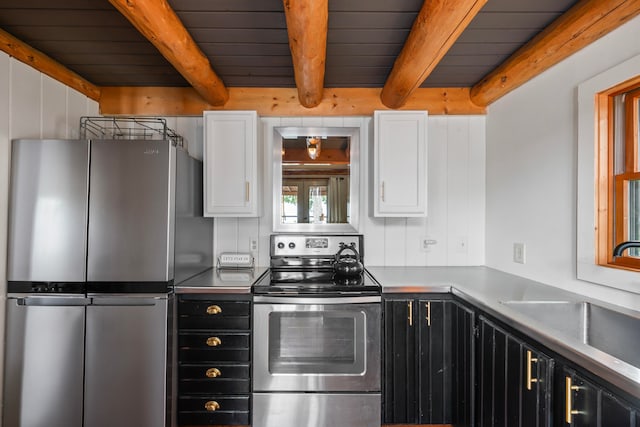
(618, 250)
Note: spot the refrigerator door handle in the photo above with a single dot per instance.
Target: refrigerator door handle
(124, 301)
(44, 301)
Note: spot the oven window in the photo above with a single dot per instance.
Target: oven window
(316, 342)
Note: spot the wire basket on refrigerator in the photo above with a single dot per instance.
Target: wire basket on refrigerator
(128, 128)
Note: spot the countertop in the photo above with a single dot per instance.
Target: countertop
(236, 281)
(486, 288)
(483, 287)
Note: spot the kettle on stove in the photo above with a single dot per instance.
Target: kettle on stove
(347, 265)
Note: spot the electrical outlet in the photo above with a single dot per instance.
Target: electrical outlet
(253, 244)
(461, 244)
(426, 242)
(519, 253)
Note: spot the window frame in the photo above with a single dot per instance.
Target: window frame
(611, 188)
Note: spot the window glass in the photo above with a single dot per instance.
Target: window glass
(290, 204)
(637, 130)
(633, 215)
(618, 134)
(318, 204)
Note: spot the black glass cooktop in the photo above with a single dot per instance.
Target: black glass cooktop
(317, 283)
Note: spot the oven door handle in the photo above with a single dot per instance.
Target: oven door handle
(296, 299)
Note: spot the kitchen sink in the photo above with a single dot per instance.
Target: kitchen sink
(610, 331)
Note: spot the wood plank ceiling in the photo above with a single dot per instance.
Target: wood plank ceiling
(247, 44)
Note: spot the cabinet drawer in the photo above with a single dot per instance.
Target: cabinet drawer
(214, 322)
(186, 355)
(213, 341)
(213, 418)
(210, 386)
(231, 410)
(213, 308)
(201, 372)
(226, 403)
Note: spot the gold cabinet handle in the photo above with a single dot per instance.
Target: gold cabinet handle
(382, 191)
(410, 307)
(246, 191)
(530, 361)
(569, 389)
(213, 373)
(428, 307)
(214, 309)
(213, 341)
(211, 406)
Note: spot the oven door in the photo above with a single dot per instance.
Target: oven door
(316, 344)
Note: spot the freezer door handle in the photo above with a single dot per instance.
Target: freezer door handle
(45, 301)
(124, 302)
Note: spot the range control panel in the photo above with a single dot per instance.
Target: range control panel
(311, 245)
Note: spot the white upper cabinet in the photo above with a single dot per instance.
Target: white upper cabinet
(400, 164)
(230, 163)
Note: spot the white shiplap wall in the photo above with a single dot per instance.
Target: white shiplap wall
(32, 105)
(456, 196)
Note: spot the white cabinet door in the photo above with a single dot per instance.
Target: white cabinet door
(400, 164)
(230, 163)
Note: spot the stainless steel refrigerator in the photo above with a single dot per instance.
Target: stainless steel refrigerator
(99, 232)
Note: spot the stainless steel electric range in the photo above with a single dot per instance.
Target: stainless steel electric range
(316, 338)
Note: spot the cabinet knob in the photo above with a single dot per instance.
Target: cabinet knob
(214, 309)
(213, 373)
(211, 406)
(213, 341)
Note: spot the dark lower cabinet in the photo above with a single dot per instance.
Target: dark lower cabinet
(445, 362)
(428, 361)
(515, 380)
(581, 402)
(214, 359)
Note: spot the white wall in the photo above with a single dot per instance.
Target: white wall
(532, 140)
(32, 105)
(456, 199)
(456, 195)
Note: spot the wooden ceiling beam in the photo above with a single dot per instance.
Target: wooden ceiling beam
(307, 22)
(161, 26)
(437, 26)
(46, 65)
(581, 25)
(177, 101)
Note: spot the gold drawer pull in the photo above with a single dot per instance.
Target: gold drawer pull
(410, 309)
(214, 309)
(211, 406)
(569, 389)
(213, 373)
(530, 361)
(213, 341)
(428, 307)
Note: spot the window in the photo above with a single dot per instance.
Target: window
(304, 201)
(618, 176)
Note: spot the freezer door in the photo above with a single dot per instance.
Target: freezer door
(126, 362)
(131, 215)
(44, 362)
(48, 210)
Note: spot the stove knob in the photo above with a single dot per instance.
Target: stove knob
(292, 245)
(280, 245)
